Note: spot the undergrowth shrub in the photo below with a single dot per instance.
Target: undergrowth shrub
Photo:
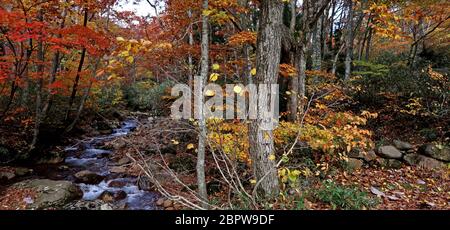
(148, 96)
(344, 197)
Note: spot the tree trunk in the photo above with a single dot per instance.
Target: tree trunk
(294, 81)
(267, 64)
(84, 98)
(349, 42)
(80, 68)
(201, 181)
(317, 46)
(191, 44)
(40, 70)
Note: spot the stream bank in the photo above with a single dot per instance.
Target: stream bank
(89, 177)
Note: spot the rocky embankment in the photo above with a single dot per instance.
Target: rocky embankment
(428, 156)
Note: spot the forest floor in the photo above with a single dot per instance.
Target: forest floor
(159, 147)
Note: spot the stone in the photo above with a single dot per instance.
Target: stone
(6, 175)
(401, 145)
(423, 161)
(167, 203)
(393, 163)
(389, 163)
(49, 193)
(23, 171)
(160, 202)
(107, 196)
(89, 205)
(120, 195)
(88, 177)
(117, 184)
(389, 152)
(123, 161)
(438, 152)
(118, 169)
(354, 164)
(369, 156)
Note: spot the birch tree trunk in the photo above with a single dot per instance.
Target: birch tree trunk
(201, 181)
(349, 42)
(267, 64)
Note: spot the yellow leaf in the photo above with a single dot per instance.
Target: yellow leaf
(190, 146)
(130, 59)
(216, 67)
(253, 72)
(210, 93)
(288, 92)
(120, 39)
(272, 157)
(175, 142)
(207, 12)
(214, 77)
(237, 89)
(252, 181)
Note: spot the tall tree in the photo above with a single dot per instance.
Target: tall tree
(200, 103)
(267, 65)
(349, 42)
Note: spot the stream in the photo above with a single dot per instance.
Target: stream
(89, 156)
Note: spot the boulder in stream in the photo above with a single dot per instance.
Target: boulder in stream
(88, 177)
(49, 193)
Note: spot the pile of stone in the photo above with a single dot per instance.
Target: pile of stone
(429, 156)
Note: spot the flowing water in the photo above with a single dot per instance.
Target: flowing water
(89, 156)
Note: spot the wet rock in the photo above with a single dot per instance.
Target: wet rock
(107, 196)
(6, 176)
(23, 171)
(354, 164)
(49, 193)
(438, 152)
(401, 145)
(120, 195)
(89, 205)
(389, 152)
(88, 177)
(423, 161)
(118, 169)
(117, 184)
